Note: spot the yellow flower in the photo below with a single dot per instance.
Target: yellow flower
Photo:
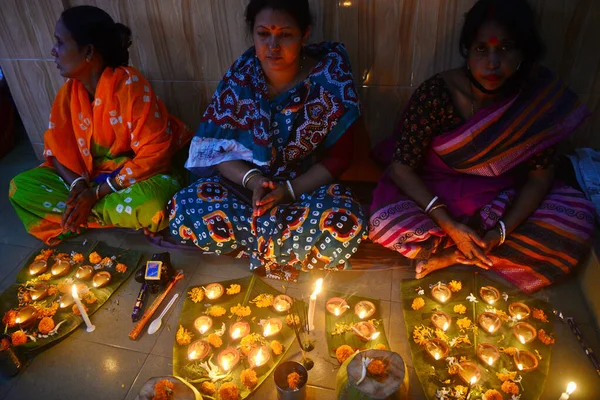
(455, 286)
(216, 311)
(453, 369)
(77, 258)
(263, 300)
(421, 334)
(418, 303)
(440, 334)
(507, 376)
(380, 346)
(276, 347)
(248, 342)
(463, 323)
(460, 309)
(183, 336)
(196, 294)
(511, 351)
(460, 390)
(215, 340)
(234, 288)
(45, 277)
(462, 340)
(539, 314)
(229, 391)
(240, 310)
(290, 321)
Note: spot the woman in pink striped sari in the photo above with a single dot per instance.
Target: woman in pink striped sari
(472, 178)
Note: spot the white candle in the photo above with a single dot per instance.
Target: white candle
(312, 304)
(570, 389)
(86, 319)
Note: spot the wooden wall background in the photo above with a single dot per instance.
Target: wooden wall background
(184, 46)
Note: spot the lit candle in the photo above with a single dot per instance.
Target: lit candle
(39, 291)
(445, 327)
(490, 322)
(259, 356)
(313, 303)
(89, 326)
(519, 311)
(441, 320)
(524, 332)
(437, 348)
(487, 353)
(489, 294)
(198, 350)
(570, 389)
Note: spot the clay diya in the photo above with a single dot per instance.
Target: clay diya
(259, 356)
(203, 324)
(519, 311)
(84, 272)
(525, 360)
(441, 293)
(198, 350)
(282, 303)
(214, 291)
(365, 331)
(469, 372)
(524, 332)
(26, 316)
(437, 348)
(60, 268)
(364, 309)
(228, 358)
(441, 320)
(66, 300)
(239, 329)
(101, 279)
(488, 353)
(271, 327)
(489, 294)
(38, 267)
(38, 292)
(336, 306)
(490, 322)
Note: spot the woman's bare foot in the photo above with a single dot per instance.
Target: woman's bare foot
(443, 260)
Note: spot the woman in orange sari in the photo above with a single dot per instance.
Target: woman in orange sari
(109, 142)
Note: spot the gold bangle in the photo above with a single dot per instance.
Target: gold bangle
(432, 209)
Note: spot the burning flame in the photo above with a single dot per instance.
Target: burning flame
(436, 355)
(318, 287)
(362, 314)
(192, 355)
(445, 327)
(491, 329)
(519, 316)
(203, 328)
(267, 330)
(443, 298)
(18, 320)
(490, 361)
(337, 311)
(236, 333)
(571, 387)
(375, 336)
(520, 366)
(522, 339)
(473, 380)
(259, 359)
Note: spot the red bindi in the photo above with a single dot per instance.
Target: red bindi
(493, 41)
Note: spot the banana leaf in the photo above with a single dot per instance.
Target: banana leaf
(347, 319)
(434, 375)
(251, 287)
(9, 299)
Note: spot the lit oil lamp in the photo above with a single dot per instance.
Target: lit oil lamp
(239, 329)
(524, 332)
(203, 324)
(271, 327)
(437, 349)
(198, 350)
(488, 353)
(525, 360)
(26, 316)
(364, 309)
(38, 292)
(66, 300)
(489, 294)
(441, 320)
(38, 267)
(282, 303)
(490, 322)
(336, 306)
(84, 272)
(259, 356)
(365, 331)
(214, 291)
(228, 358)
(469, 372)
(60, 268)
(441, 293)
(519, 311)
(101, 279)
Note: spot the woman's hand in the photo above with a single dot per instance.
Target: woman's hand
(472, 247)
(272, 199)
(79, 187)
(491, 239)
(78, 211)
(260, 187)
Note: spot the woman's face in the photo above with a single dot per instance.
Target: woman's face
(69, 58)
(278, 39)
(493, 56)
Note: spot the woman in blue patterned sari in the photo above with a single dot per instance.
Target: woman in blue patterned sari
(279, 130)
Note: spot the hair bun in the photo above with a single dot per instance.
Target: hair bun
(125, 35)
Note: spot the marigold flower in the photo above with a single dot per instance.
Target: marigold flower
(453, 369)
(248, 378)
(228, 391)
(293, 380)
(463, 323)
(89, 297)
(18, 338)
(460, 390)
(539, 314)
(460, 309)
(77, 258)
(216, 311)
(545, 338)
(290, 319)
(215, 340)
(46, 325)
(263, 300)
(418, 303)
(208, 388)
(163, 390)
(240, 310)
(196, 294)
(234, 288)
(380, 346)
(183, 336)
(45, 277)
(507, 376)
(46, 311)
(248, 342)
(343, 352)
(276, 347)
(76, 311)
(455, 286)
(10, 318)
(95, 258)
(510, 387)
(492, 394)
(377, 367)
(122, 268)
(52, 290)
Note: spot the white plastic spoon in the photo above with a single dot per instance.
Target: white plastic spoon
(155, 325)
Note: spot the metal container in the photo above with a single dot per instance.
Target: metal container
(280, 375)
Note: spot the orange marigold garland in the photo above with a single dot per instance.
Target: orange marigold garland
(163, 390)
(10, 318)
(276, 347)
(77, 257)
(539, 314)
(44, 255)
(18, 338)
(507, 376)
(46, 325)
(248, 378)
(45, 277)
(215, 340)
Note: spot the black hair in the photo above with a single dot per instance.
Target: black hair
(298, 9)
(92, 25)
(516, 16)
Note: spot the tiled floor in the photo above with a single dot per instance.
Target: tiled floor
(105, 364)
